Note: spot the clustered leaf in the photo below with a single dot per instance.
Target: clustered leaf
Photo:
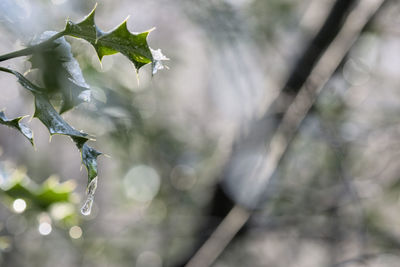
(17, 124)
(62, 76)
(46, 113)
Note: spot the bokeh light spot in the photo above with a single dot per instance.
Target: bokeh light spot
(16, 224)
(75, 232)
(149, 259)
(141, 183)
(45, 228)
(19, 205)
(183, 177)
(59, 211)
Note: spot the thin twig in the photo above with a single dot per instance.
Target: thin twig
(32, 49)
(295, 114)
(220, 238)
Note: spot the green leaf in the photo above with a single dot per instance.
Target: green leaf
(16, 124)
(60, 72)
(23, 81)
(86, 29)
(46, 113)
(52, 191)
(43, 196)
(120, 40)
(89, 159)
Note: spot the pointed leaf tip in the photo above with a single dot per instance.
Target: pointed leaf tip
(119, 40)
(18, 125)
(89, 159)
(45, 112)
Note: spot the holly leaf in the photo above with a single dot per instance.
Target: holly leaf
(46, 113)
(60, 72)
(119, 40)
(86, 29)
(23, 81)
(18, 125)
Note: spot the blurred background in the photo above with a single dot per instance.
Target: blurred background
(190, 144)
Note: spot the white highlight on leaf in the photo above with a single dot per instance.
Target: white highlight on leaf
(85, 95)
(26, 131)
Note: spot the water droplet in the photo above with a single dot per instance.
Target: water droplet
(87, 207)
(91, 189)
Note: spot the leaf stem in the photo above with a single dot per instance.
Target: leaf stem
(6, 70)
(31, 49)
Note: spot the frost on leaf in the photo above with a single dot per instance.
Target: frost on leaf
(158, 58)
